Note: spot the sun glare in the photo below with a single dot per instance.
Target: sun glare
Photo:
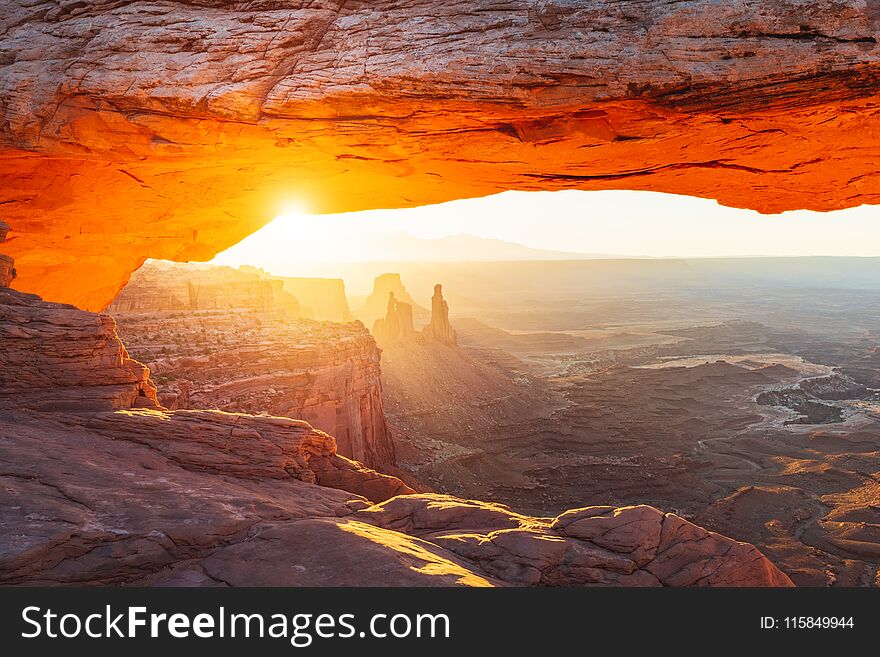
(551, 225)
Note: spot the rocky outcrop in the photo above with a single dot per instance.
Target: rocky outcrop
(203, 498)
(145, 496)
(182, 146)
(439, 329)
(396, 326)
(166, 287)
(260, 362)
(320, 298)
(601, 545)
(376, 306)
(55, 357)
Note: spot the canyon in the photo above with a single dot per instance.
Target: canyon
(579, 398)
(184, 144)
(655, 391)
(123, 491)
(252, 353)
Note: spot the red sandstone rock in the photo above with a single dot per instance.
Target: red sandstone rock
(55, 357)
(439, 329)
(325, 373)
(183, 145)
(7, 264)
(629, 546)
(206, 498)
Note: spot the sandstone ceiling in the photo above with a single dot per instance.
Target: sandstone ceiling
(174, 128)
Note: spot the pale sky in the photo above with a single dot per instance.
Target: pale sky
(611, 222)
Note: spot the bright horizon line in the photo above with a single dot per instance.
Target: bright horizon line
(611, 224)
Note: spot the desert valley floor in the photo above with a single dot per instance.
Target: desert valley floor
(764, 429)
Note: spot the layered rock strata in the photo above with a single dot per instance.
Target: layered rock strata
(258, 362)
(185, 144)
(206, 498)
(166, 287)
(55, 357)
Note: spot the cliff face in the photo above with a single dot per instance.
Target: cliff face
(262, 362)
(321, 298)
(183, 145)
(57, 358)
(180, 287)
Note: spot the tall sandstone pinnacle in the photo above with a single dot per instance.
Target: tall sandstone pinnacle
(439, 329)
(225, 111)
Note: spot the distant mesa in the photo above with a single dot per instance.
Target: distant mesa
(376, 305)
(158, 286)
(320, 298)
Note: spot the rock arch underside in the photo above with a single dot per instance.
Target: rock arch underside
(173, 129)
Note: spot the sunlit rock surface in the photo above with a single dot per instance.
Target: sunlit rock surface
(206, 498)
(170, 130)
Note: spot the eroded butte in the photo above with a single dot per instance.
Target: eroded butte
(169, 130)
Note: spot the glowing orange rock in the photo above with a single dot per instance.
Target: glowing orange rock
(173, 131)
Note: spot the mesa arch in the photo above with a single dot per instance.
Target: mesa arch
(173, 129)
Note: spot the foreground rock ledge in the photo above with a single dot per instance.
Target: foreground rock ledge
(107, 494)
(128, 498)
(170, 130)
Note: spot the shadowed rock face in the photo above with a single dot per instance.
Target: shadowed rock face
(172, 130)
(55, 357)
